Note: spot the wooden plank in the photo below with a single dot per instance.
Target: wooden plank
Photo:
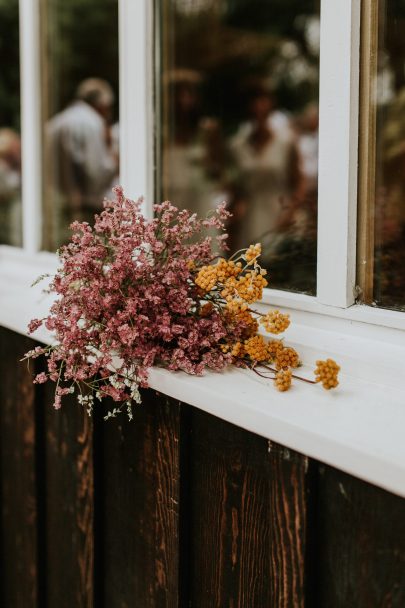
(248, 521)
(69, 505)
(140, 494)
(289, 506)
(361, 544)
(18, 475)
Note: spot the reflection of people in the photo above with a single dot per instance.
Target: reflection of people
(81, 161)
(308, 145)
(268, 177)
(10, 187)
(193, 154)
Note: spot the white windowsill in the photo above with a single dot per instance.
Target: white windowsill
(358, 428)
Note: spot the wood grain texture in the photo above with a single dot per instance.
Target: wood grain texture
(18, 475)
(69, 505)
(289, 491)
(248, 520)
(141, 506)
(361, 544)
(179, 509)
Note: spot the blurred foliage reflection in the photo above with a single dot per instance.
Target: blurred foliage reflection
(389, 197)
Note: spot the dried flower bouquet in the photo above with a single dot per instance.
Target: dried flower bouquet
(134, 292)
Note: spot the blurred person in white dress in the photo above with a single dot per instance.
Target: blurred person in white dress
(193, 151)
(268, 181)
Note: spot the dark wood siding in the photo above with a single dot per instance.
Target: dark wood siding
(179, 509)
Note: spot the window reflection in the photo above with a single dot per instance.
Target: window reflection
(10, 143)
(389, 220)
(80, 66)
(239, 114)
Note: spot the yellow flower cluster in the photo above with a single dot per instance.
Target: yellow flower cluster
(327, 373)
(238, 350)
(236, 307)
(227, 268)
(208, 276)
(256, 348)
(240, 313)
(253, 252)
(248, 287)
(282, 381)
(287, 357)
(273, 348)
(234, 286)
(275, 322)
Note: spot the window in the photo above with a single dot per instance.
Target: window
(177, 66)
(10, 142)
(382, 200)
(238, 97)
(79, 111)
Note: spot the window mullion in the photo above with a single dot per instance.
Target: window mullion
(31, 123)
(136, 95)
(338, 137)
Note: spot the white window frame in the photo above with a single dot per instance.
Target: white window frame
(338, 148)
(338, 145)
(357, 429)
(338, 151)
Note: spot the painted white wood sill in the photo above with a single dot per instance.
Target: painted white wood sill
(359, 428)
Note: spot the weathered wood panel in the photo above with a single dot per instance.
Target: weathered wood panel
(179, 509)
(248, 519)
(140, 494)
(289, 511)
(361, 544)
(69, 505)
(19, 565)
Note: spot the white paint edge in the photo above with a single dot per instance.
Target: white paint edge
(31, 124)
(338, 135)
(136, 132)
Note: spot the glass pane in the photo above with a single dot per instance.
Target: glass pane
(238, 116)
(10, 143)
(80, 88)
(388, 198)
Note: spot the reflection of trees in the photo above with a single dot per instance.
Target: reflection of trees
(394, 37)
(389, 210)
(230, 40)
(82, 41)
(9, 61)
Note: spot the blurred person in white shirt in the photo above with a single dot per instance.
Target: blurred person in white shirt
(82, 161)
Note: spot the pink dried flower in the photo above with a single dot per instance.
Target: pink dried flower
(125, 288)
(34, 325)
(58, 402)
(40, 378)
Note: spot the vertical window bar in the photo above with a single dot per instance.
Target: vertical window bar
(338, 129)
(367, 149)
(31, 123)
(136, 99)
